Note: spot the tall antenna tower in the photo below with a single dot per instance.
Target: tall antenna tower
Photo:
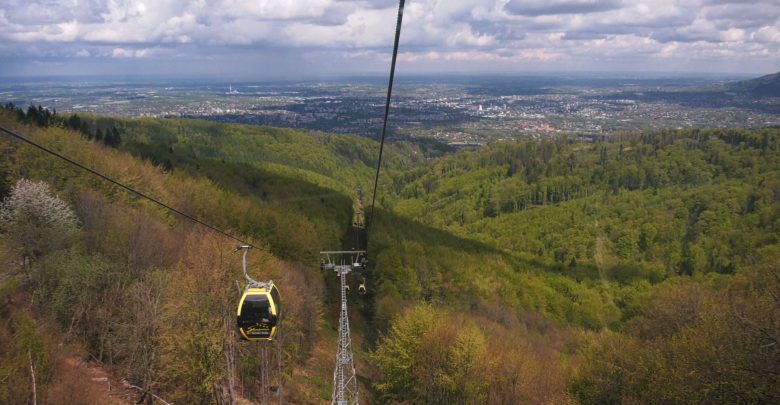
(345, 387)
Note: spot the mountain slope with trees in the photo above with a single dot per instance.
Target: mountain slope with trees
(673, 235)
(764, 86)
(520, 272)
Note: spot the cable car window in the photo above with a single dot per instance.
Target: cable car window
(255, 310)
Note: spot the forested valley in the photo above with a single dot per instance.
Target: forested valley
(639, 268)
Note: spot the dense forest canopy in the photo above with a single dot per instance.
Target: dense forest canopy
(638, 268)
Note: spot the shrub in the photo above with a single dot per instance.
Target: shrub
(35, 220)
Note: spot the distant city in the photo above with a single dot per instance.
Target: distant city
(460, 111)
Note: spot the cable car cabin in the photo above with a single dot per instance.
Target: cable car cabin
(362, 288)
(258, 313)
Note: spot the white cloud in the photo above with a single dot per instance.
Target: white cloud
(132, 53)
(767, 35)
(434, 30)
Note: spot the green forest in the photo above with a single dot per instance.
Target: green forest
(639, 268)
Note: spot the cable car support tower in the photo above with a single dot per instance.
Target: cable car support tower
(345, 386)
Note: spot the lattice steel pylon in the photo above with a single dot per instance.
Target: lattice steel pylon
(345, 386)
(345, 390)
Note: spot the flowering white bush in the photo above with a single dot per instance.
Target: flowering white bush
(35, 219)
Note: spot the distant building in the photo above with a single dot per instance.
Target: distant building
(465, 145)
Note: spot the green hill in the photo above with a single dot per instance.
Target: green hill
(643, 197)
(764, 86)
(522, 272)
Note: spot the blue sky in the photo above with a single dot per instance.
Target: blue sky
(260, 39)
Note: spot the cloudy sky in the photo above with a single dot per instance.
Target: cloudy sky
(257, 39)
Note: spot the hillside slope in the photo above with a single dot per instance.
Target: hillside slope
(764, 86)
(643, 198)
(637, 237)
(518, 273)
(147, 294)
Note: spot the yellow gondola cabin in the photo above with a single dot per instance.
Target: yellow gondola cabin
(258, 312)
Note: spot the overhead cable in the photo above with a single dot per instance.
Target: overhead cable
(387, 108)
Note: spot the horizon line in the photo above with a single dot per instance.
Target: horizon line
(376, 74)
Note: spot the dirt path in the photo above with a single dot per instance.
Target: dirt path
(86, 382)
